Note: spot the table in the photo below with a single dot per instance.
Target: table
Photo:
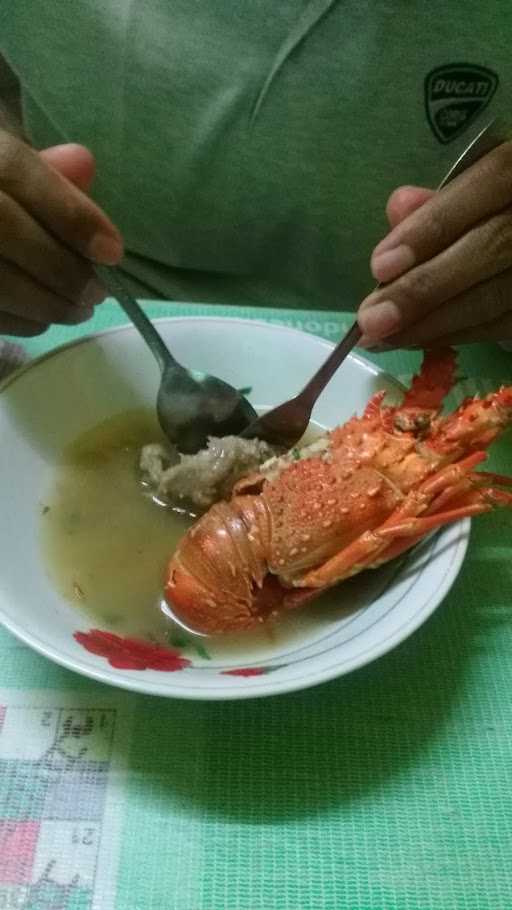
(389, 789)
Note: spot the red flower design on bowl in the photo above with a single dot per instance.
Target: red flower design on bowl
(131, 653)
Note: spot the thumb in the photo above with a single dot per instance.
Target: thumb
(74, 162)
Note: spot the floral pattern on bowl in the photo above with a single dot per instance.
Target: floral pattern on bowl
(124, 653)
(131, 653)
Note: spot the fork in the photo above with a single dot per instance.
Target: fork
(285, 424)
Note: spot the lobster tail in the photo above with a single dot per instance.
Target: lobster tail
(218, 571)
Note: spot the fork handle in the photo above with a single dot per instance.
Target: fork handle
(318, 382)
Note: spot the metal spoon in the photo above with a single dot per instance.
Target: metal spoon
(190, 405)
(285, 424)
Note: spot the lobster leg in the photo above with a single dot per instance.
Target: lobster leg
(465, 499)
(473, 483)
(500, 479)
(418, 527)
(478, 503)
(376, 547)
(434, 381)
(361, 553)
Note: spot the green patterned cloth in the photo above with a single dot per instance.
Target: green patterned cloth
(389, 789)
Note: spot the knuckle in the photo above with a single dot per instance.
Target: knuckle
(498, 168)
(73, 315)
(499, 294)
(80, 224)
(28, 301)
(54, 309)
(8, 215)
(69, 277)
(31, 329)
(419, 285)
(498, 240)
(503, 157)
(437, 228)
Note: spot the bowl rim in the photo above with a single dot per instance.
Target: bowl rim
(161, 320)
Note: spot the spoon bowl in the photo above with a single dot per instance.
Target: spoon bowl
(191, 405)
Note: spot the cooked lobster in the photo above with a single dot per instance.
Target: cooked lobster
(379, 484)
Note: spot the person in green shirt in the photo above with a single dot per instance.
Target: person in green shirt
(246, 152)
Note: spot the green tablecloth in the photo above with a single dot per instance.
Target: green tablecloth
(390, 788)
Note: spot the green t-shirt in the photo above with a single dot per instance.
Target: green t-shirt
(246, 148)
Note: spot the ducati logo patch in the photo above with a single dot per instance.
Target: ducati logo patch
(454, 95)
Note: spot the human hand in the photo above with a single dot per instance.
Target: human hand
(49, 228)
(446, 263)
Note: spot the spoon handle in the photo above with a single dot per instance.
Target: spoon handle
(109, 276)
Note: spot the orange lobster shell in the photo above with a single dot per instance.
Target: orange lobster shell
(384, 481)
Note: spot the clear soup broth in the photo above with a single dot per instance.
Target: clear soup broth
(107, 544)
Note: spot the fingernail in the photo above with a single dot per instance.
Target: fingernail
(388, 243)
(390, 264)
(370, 301)
(364, 341)
(93, 293)
(105, 248)
(369, 345)
(380, 320)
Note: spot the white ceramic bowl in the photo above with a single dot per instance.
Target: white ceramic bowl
(49, 403)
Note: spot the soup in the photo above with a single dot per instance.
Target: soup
(107, 542)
